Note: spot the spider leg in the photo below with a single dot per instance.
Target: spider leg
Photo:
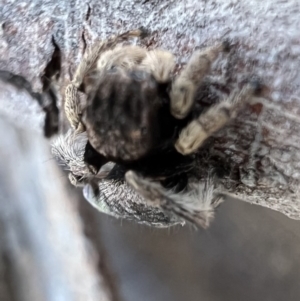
(126, 57)
(91, 57)
(160, 63)
(195, 205)
(184, 87)
(72, 108)
(198, 130)
(72, 105)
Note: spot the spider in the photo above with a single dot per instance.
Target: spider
(135, 136)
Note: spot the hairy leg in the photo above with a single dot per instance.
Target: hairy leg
(72, 106)
(127, 57)
(91, 57)
(160, 63)
(195, 205)
(197, 131)
(184, 87)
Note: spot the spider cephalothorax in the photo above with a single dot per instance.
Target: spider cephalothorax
(123, 118)
(138, 116)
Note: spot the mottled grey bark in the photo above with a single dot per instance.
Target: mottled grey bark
(261, 149)
(40, 39)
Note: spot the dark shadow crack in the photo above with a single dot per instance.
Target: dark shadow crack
(53, 68)
(87, 17)
(83, 40)
(47, 100)
(51, 124)
(51, 75)
(88, 13)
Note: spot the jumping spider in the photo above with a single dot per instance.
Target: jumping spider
(135, 135)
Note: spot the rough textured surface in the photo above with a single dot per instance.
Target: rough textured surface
(34, 34)
(249, 253)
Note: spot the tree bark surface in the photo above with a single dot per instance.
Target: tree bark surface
(42, 38)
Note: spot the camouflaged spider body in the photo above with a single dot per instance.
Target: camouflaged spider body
(133, 106)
